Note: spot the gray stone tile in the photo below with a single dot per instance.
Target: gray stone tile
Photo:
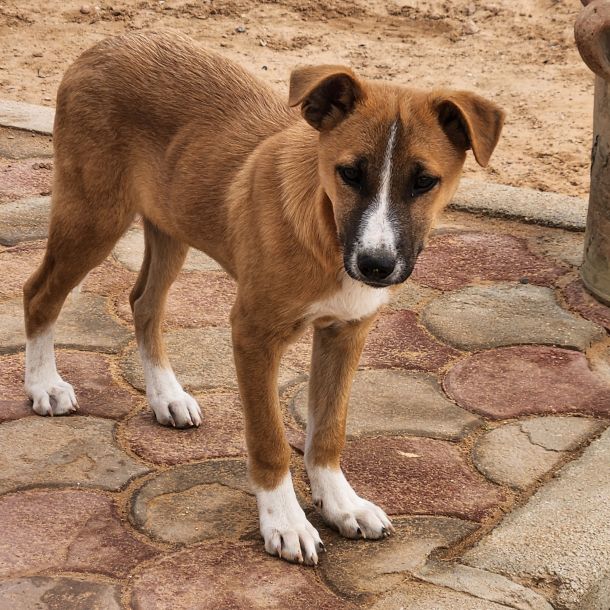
(561, 536)
(421, 596)
(197, 502)
(83, 323)
(482, 585)
(361, 569)
(27, 116)
(529, 205)
(68, 451)
(129, 251)
(398, 402)
(201, 358)
(481, 317)
(24, 220)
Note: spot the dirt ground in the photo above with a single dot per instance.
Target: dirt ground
(519, 52)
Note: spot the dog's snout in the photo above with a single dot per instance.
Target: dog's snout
(376, 266)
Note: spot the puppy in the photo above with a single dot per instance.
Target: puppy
(318, 208)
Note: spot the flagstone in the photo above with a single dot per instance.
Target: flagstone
(481, 317)
(398, 402)
(89, 373)
(63, 451)
(220, 435)
(527, 380)
(419, 476)
(187, 504)
(83, 323)
(399, 341)
(230, 575)
(454, 260)
(67, 530)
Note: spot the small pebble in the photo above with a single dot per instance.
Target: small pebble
(470, 27)
(524, 280)
(240, 29)
(85, 9)
(265, 68)
(263, 43)
(37, 54)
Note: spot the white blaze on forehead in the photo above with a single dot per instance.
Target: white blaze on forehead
(377, 229)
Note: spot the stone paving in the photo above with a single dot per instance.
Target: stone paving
(477, 420)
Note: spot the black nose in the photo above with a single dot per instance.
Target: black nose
(376, 266)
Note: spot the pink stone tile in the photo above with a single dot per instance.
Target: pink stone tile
(66, 530)
(581, 301)
(19, 179)
(220, 435)
(230, 576)
(89, 373)
(399, 341)
(196, 299)
(454, 260)
(526, 380)
(420, 477)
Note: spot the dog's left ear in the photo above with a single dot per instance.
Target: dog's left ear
(471, 121)
(327, 94)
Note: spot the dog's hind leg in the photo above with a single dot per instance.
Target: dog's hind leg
(163, 259)
(82, 233)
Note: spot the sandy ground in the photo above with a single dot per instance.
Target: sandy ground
(519, 52)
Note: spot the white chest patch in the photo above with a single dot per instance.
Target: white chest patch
(353, 301)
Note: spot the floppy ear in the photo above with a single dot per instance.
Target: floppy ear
(471, 121)
(327, 94)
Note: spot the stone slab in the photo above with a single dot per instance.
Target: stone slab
(360, 571)
(202, 359)
(420, 477)
(398, 402)
(129, 251)
(422, 596)
(560, 433)
(24, 220)
(21, 178)
(480, 317)
(581, 301)
(399, 341)
(66, 530)
(230, 575)
(528, 380)
(30, 117)
(457, 259)
(89, 373)
(187, 504)
(561, 536)
(83, 323)
(529, 205)
(506, 456)
(220, 435)
(63, 451)
(413, 296)
(58, 593)
(482, 585)
(195, 300)
(17, 144)
(562, 246)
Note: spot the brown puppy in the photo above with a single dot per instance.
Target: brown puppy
(317, 214)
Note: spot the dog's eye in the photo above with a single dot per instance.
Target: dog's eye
(424, 183)
(352, 176)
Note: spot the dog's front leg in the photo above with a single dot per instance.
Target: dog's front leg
(283, 524)
(336, 351)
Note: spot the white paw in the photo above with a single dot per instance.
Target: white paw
(179, 410)
(53, 397)
(171, 404)
(342, 508)
(284, 526)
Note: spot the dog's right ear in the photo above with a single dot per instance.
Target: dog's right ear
(327, 94)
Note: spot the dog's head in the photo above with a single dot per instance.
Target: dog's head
(389, 160)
